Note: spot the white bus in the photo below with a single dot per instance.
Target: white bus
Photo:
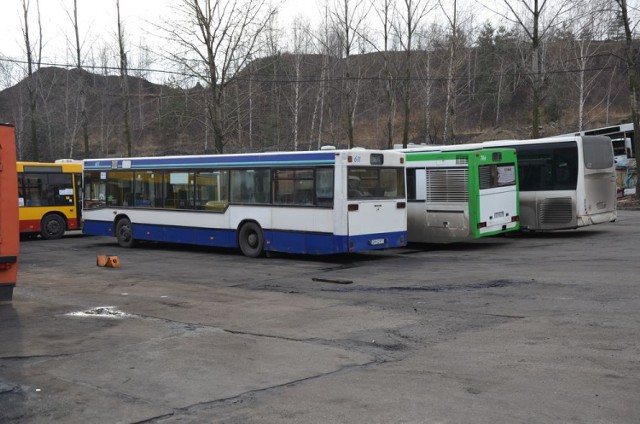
(565, 182)
(458, 194)
(322, 202)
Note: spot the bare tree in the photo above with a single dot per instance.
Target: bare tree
(301, 31)
(634, 78)
(409, 20)
(536, 18)
(385, 12)
(33, 61)
(124, 81)
(348, 18)
(450, 108)
(100, 59)
(81, 86)
(425, 37)
(273, 41)
(217, 39)
(324, 46)
(583, 49)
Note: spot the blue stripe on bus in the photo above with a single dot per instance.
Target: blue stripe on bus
(314, 158)
(326, 244)
(275, 240)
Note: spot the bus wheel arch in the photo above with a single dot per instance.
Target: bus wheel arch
(52, 226)
(124, 231)
(251, 239)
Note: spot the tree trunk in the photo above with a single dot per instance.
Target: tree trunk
(634, 82)
(124, 81)
(30, 85)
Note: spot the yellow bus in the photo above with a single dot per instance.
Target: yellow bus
(48, 197)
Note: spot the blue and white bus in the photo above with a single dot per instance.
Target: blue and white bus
(320, 202)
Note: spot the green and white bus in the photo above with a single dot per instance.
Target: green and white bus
(461, 195)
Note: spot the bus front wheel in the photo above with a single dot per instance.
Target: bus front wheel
(251, 240)
(52, 227)
(124, 233)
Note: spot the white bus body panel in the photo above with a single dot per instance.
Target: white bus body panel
(385, 214)
(305, 219)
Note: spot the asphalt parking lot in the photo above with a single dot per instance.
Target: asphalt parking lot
(541, 328)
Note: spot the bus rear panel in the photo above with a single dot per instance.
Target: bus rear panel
(456, 195)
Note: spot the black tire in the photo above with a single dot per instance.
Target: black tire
(124, 233)
(251, 240)
(52, 227)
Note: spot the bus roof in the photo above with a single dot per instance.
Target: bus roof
(556, 139)
(75, 166)
(316, 157)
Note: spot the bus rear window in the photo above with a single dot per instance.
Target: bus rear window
(492, 176)
(375, 183)
(598, 153)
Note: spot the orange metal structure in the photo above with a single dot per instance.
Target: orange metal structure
(9, 233)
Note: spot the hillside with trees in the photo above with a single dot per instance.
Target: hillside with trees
(345, 84)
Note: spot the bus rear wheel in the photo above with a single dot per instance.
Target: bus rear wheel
(251, 240)
(124, 233)
(52, 227)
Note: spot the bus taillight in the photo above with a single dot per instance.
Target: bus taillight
(482, 225)
(353, 207)
(401, 205)
(515, 218)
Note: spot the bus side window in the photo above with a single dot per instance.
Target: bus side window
(324, 186)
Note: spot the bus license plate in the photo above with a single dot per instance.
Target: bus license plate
(377, 242)
(498, 215)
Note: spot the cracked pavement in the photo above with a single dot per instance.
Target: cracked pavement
(538, 328)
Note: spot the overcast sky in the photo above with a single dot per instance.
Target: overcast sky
(98, 23)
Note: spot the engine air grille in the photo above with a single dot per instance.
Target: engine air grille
(556, 211)
(447, 185)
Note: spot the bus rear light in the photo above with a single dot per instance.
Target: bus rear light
(401, 205)
(353, 207)
(349, 158)
(515, 218)
(482, 225)
(5, 266)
